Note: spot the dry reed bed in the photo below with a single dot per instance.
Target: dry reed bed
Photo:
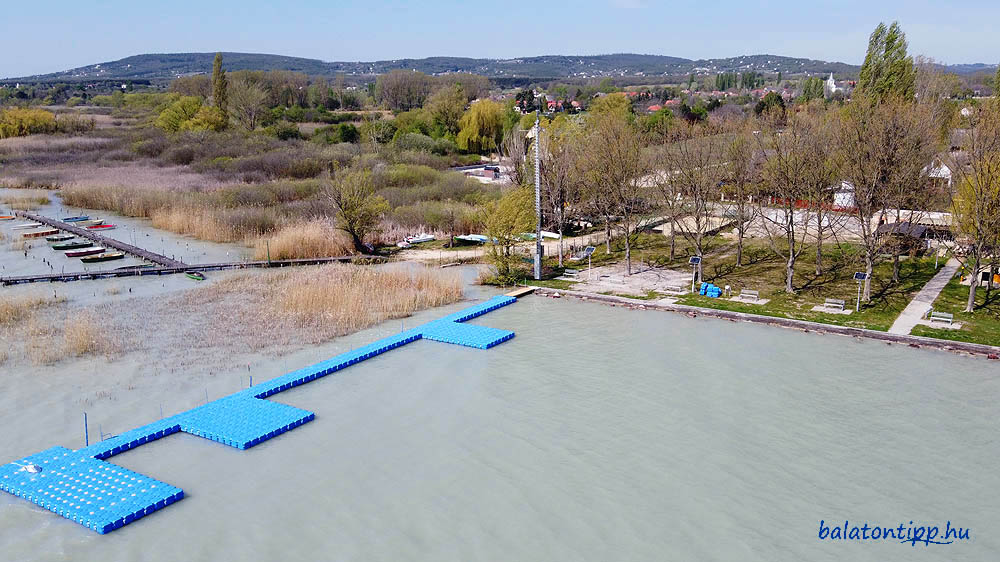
(315, 238)
(26, 201)
(48, 333)
(20, 146)
(333, 300)
(218, 216)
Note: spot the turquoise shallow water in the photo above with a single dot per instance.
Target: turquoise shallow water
(597, 433)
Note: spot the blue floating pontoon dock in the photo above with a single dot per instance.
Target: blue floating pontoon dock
(83, 487)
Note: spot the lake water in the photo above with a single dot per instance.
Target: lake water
(597, 433)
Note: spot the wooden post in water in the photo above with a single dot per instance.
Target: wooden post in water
(86, 434)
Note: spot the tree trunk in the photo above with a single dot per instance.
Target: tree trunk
(970, 305)
(869, 267)
(739, 247)
(560, 241)
(359, 244)
(819, 243)
(790, 273)
(628, 255)
(673, 240)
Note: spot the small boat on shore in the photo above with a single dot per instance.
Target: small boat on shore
(419, 238)
(72, 245)
(196, 275)
(471, 239)
(85, 252)
(90, 222)
(76, 219)
(26, 226)
(6, 217)
(40, 233)
(59, 238)
(107, 256)
(101, 227)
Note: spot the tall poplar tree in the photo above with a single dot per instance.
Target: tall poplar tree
(887, 70)
(220, 86)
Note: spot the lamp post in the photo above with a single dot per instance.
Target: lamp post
(538, 200)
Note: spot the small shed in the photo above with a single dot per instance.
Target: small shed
(903, 237)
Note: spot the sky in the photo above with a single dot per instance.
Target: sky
(60, 34)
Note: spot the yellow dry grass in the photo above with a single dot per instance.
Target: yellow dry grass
(25, 202)
(340, 299)
(15, 309)
(82, 336)
(203, 224)
(318, 238)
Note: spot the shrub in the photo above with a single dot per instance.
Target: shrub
(284, 130)
(19, 122)
(414, 141)
(71, 124)
(181, 155)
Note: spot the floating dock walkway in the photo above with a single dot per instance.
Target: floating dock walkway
(103, 240)
(83, 487)
(144, 271)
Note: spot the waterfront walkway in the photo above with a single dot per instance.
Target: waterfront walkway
(924, 300)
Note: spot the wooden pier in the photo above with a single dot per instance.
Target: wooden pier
(104, 240)
(183, 268)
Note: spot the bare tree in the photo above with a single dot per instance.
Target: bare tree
(248, 102)
(514, 149)
(977, 203)
(612, 167)
(885, 148)
(559, 152)
(789, 161)
(690, 171)
(742, 185)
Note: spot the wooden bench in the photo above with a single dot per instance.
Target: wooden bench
(935, 316)
(835, 304)
(571, 272)
(749, 294)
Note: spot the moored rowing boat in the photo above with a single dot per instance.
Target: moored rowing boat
(26, 226)
(85, 252)
(196, 275)
(40, 233)
(101, 227)
(72, 245)
(59, 238)
(108, 256)
(76, 219)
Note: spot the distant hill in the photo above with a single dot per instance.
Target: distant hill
(171, 65)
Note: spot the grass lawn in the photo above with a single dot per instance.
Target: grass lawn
(981, 326)
(765, 272)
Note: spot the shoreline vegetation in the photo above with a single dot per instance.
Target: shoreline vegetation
(276, 310)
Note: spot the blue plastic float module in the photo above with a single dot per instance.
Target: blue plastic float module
(82, 487)
(96, 494)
